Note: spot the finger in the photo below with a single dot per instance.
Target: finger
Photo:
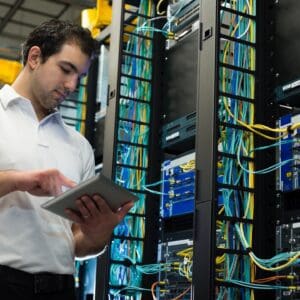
(61, 179)
(101, 204)
(39, 192)
(125, 209)
(53, 185)
(91, 205)
(67, 181)
(57, 187)
(48, 186)
(74, 216)
(83, 209)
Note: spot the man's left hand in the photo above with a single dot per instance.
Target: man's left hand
(96, 220)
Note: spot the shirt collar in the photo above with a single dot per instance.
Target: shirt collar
(55, 115)
(8, 95)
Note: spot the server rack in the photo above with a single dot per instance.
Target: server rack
(261, 72)
(217, 98)
(123, 27)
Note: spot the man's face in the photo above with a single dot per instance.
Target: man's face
(56, 78)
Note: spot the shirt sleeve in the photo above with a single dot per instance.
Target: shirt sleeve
(88, 160)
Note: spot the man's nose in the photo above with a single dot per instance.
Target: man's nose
(71, 83)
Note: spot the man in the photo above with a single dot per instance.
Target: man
(39, 155)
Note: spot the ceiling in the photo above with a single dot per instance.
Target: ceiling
(19, 17)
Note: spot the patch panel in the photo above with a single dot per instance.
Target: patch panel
(178, 133)
(289, 156)
(175, 281)
(288, 93)
(288, 240)
(182, 13)
(178, 188)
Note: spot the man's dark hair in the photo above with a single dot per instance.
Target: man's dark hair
(51, 35)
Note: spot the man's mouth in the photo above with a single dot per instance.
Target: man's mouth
(61, 94)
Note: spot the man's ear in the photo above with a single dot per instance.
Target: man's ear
(34, 57)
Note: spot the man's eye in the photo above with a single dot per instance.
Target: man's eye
(65, 70)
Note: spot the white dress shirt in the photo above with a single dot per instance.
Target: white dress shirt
(31, 238)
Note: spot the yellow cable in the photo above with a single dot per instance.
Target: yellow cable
(251, 254)
(288, 263)
(220, 259)
(221, 210)
(251, 127)
(158, 12)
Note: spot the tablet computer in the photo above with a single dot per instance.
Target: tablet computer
(114, 195)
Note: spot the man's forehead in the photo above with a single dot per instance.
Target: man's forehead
(73, 47)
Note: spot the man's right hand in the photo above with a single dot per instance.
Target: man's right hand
(38, 182)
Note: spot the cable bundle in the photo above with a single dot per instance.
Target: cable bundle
(131, 250)
(131, 226)
(236, 87)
